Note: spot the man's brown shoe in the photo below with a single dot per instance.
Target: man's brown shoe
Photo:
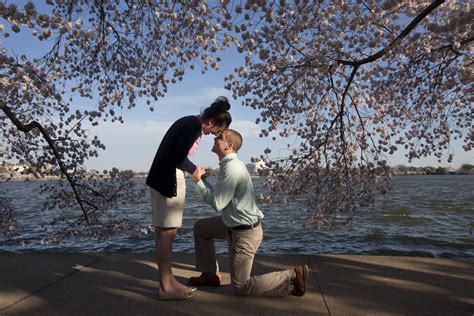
(205, 279)
(300, 280)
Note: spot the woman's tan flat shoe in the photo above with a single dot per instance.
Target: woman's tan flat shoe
(163, 296)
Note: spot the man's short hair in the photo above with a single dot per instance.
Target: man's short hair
(233, 137)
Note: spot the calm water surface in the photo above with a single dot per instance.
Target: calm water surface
(430, 216)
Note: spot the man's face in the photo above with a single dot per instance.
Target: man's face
(220, 143)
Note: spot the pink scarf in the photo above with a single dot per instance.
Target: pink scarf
(196, 143)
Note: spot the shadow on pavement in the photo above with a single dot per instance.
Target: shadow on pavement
(126, 284)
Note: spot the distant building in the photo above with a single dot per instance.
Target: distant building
(255, 168)
(451, 170)
(420, 170)
(24, 170)
(17, 167)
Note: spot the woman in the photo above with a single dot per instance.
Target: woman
(168, 188)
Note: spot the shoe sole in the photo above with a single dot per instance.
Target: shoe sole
(169, 297)
(213, 285)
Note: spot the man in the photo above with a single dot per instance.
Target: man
(240, 224)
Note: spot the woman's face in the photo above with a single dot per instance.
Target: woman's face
(209, 128)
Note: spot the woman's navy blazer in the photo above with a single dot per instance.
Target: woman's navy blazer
(173, 150)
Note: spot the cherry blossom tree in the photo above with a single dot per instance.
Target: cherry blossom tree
(347, 82)
(118, 53)
(350, 82)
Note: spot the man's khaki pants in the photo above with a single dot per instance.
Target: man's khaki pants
(243, 245)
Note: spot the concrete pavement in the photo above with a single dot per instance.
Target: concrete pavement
(126, 284)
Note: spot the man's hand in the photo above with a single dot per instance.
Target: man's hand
(198, 174)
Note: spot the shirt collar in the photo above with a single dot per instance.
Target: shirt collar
(227, 158)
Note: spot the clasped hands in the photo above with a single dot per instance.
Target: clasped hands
(199, 174)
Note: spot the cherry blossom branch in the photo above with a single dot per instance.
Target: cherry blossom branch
(399, 38)
(35, 125)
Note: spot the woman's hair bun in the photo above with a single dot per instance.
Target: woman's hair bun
(218, 112)
(221, 103)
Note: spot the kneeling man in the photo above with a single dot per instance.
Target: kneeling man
(240, 224)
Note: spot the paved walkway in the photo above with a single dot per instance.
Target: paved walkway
(126, 284)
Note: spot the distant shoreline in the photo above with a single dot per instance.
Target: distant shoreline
(55, 178)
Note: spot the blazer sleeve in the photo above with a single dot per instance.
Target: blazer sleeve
(187, 165)
(185, 136)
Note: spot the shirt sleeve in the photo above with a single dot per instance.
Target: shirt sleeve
(223, 193)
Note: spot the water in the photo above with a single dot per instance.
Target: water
(427, 216)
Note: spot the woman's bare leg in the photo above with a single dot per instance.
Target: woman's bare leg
(163, 245)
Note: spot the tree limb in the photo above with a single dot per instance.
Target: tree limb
(401, 36)
(32, 125)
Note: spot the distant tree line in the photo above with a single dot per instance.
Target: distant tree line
(429, 170)
(402, 169)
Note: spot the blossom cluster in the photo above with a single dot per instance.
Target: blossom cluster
(8, 222)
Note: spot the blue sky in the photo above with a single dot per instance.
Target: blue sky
(132, 145)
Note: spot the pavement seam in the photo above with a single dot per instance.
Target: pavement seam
(318, 284)
(52, 283)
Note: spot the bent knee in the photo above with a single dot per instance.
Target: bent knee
(199, 225)
(240, 289)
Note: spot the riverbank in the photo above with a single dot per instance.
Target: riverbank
(41, 283)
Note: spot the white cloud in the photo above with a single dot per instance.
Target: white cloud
(246, 128)
(132, 131)
(174, 106)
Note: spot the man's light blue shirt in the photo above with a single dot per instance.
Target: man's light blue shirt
(233, 194)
